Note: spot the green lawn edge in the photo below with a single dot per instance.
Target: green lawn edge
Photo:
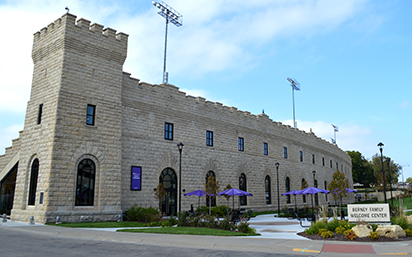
(187, 231)
(100, 224)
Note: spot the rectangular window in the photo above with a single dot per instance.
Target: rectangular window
(313, 159)
(331, 164)
(41, 199)
(285, 152)
(301, 156)
(39, 114)
(91, 112)
(168, 131)
(323, 161)
(209, 138)
(337, 165)
(265, 148)
(241, 144)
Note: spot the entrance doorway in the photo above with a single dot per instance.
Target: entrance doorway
(7, 186)
(169, 180)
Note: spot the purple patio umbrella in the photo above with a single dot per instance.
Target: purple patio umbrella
(233, 192)
(196, 193)
(312, 191)
(292, 192)
(348, 190)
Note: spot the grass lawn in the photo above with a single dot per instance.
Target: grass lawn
(102, 224)
(188, 231)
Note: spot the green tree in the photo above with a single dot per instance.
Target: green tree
(160, 193)
(409, 180)
(392, 169)
(211, 190)
(337, 187)
(362, 171)
(227, 196)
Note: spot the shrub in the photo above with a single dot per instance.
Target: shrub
(333, 224)
(373, 235)
(220, 211)
(340, 230)
(244, 228)
(142, 214)
(402, 221)
(327, 234)
(374, 226)
(408, 232)
(349, 234)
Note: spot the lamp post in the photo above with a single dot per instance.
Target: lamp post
(364, 183)
(175, 18)
(390, 177)
(380, 145)
(277, 181)
(314, 185)
(180, 146)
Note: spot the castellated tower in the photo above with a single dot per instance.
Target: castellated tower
(70, 158)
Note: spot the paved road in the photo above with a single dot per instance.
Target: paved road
(21, 239)
(17, 242)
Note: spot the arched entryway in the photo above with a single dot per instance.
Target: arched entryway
(169, 180)
(210, 174)
(7, 187)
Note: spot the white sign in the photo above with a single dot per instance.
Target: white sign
(374, 213)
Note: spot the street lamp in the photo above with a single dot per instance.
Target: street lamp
(364, 184)
(380, 145)
(390, 177)
(277, 180)
(314, 185)
(172, 16)
(180, 146)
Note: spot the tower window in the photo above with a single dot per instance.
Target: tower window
(91, 112)
(39, 113)
(168, 131)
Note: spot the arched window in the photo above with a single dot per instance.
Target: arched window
(33, 181)
(303, 187)
(169, 180)
(268, 190)
(326, 188)
(210, 174)
(86, 172)
(242, 186)
(287, 185)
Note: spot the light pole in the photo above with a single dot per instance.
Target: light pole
(277, 181)
(390, 177)
(314, 185)
(380, 145)
(172, 16)
(180, 146)
(364, 182)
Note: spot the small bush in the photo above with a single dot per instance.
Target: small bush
(373, 235)
(349, 234)
(220, 210)
(244, 228)
(333, 224)
(327, 234)
(142, 214)
(374, 227)
(340, 230)
(408, 232)
(402, 221)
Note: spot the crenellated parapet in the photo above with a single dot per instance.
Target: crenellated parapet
(155, 94)
(79, 37)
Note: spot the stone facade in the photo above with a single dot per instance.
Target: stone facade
(77, 64)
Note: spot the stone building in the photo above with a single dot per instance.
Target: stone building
(97, 141)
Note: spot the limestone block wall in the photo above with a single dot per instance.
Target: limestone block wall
(147, 107)
(75, 64)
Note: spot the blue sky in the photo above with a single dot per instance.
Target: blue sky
(352, 58)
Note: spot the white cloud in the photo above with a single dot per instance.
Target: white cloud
(406, 104)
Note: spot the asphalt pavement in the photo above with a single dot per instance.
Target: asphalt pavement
(278, 235)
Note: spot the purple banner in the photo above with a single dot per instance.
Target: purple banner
(136, 178)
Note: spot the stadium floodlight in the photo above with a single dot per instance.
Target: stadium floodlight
(295, 86)
(171, 15)
(335, 129)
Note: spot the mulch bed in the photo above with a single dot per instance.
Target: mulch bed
(341, 237)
